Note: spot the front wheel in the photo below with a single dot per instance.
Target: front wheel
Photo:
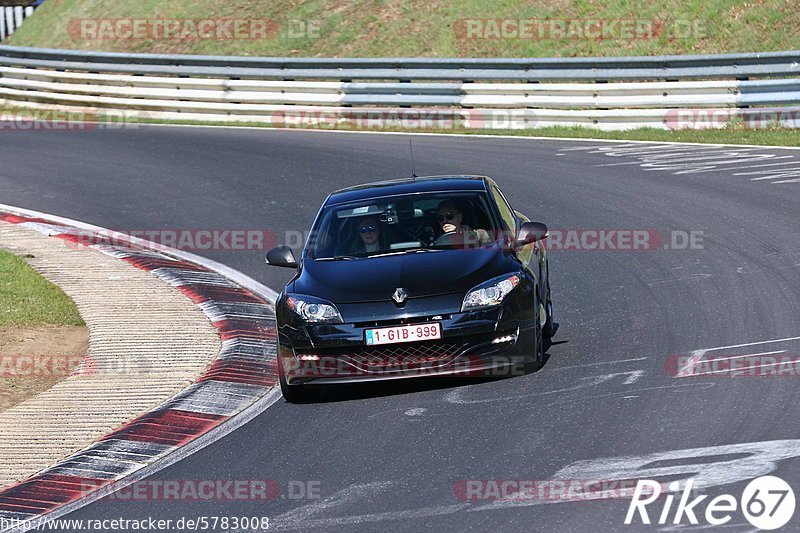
(536, 361)
(549, 328)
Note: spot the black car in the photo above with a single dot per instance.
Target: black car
(414, 277)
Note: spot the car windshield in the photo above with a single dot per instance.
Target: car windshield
(403, 224)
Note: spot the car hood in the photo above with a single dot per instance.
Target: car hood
(420, 274)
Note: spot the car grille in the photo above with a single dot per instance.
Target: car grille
(386, 357)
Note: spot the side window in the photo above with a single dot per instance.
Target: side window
(320, 243)
(506, 212)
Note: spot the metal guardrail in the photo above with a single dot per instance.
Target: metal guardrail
(573, 69)
(611, 93)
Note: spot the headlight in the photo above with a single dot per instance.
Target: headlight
(491, 293)
(314, 310)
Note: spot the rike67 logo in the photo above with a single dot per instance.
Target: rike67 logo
(767, 503)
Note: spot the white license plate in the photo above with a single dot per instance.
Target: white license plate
(419, 332)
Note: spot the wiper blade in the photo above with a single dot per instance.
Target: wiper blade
(396, 252)
(384, 254)
(415, 250)
(409, 251)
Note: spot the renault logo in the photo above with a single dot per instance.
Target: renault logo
(399, 296)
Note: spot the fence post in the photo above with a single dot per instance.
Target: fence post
(18, 13)
(2, 24)
(10, 20)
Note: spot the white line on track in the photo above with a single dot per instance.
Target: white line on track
(700, 159)
(729, 358)
(455, 396)
(735, 372)
(308, 517)
(791, 161)
(617, 361)
(791, 173)
(618, 164)
(697, 355)
(787, 339)
(768, 171)
(687, 370)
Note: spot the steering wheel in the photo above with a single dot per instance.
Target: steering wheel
(446, 239)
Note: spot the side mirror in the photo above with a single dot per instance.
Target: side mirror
(281, 256)
(531, 232)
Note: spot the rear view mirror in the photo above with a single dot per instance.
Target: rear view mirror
(531, 232)
(281, 256)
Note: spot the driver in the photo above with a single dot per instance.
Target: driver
(450, 219)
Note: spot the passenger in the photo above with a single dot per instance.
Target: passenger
(450, 219)
(370, 238)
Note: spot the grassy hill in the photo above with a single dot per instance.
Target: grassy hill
(435, 28)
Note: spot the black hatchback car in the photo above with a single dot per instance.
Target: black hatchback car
(423, 276)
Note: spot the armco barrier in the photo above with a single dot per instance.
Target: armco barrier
(606, 93)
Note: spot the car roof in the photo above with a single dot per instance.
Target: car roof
(408, 186)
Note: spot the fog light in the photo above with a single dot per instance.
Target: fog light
(309, 358)
(505, 338)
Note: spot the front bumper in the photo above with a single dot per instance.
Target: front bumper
(495, 341)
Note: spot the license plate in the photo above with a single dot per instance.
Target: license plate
(419, 332)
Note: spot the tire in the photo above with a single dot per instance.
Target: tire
(537, 361)
(549, 328)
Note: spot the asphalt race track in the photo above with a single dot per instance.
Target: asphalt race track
(392, 457)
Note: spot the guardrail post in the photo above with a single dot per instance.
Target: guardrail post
(9, 20)
(18, 15)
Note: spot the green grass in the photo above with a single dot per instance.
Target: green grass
(27, 299)
(380, 28)
(767, 137)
